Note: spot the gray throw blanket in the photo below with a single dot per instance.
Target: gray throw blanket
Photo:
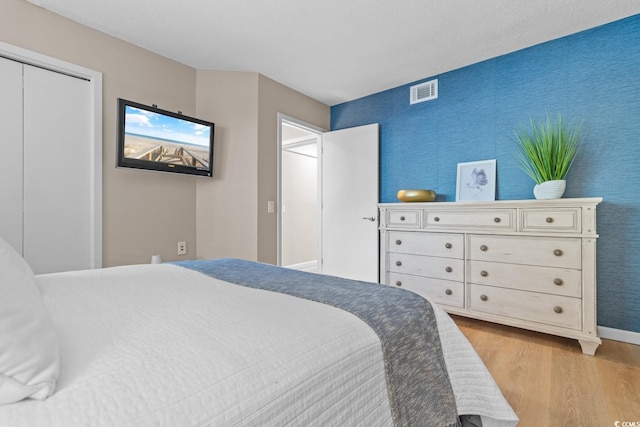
(417, 378)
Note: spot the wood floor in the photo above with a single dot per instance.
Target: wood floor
(549, 382)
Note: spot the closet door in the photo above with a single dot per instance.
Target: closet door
(57, 171)
(11, 143)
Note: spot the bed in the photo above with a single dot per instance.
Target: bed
(196, 344)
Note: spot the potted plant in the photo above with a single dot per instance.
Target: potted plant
(546, 152)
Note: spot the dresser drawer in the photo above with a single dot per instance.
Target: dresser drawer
(495, 219)
(549, 280)
(542, 308)
(434, 244)
(418, 265)
(436, 290)
(409, 218)
(566, 220)
(547, 251)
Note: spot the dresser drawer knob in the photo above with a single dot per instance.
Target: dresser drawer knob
(402, 218)
(484, 248)
(398, 283)
(448, 245)
(549, 219)
(496, 219)
(398, 242)
(557, 309)
(484, 273)
(484, 297)
(558, 281)
(398, 263)
(448, 292)
(448, 269)
(557, 252)
(436, 219)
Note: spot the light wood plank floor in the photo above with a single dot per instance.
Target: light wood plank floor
(549, 382)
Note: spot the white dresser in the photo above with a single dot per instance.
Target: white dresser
(524, 263)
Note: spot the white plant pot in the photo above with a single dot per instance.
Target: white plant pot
(550, 189)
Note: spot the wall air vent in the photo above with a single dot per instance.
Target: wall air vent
(424, 92)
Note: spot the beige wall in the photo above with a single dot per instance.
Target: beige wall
(226, 205)
(276, 98)
(148, 212)
(231, 209)
(143, 212)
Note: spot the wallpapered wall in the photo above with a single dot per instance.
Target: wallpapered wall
(591, 77)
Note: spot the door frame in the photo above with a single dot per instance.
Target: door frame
(94, 78)
(285, 119)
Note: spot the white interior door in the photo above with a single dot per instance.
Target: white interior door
(57, 171)
(349, 165)
(11, 143)
(51, 179)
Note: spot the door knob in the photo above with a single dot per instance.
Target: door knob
(370, 218)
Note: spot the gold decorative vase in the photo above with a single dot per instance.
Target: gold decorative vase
(416, 195)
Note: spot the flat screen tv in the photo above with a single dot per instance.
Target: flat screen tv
(154, 139)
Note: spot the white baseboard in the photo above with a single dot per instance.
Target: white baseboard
(619, 335)
(311, 266)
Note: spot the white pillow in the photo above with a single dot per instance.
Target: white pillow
(29, 346)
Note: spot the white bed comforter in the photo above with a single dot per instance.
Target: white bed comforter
(160, 345)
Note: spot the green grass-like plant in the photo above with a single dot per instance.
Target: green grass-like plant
(547, 149)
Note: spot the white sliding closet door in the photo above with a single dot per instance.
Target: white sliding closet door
(57, 171)
(11, 143)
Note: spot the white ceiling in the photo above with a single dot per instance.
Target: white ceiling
(339, 50)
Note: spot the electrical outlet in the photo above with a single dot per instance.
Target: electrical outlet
(182, 248)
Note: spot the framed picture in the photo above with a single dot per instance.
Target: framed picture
(476, 181)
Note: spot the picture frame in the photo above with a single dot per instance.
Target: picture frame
(476, 181)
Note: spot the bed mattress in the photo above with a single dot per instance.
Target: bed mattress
(161, 345)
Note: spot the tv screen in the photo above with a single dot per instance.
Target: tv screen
(154, 139)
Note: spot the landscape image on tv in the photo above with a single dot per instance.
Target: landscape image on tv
(160, 138)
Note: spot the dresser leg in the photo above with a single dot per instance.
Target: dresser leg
(589, 347)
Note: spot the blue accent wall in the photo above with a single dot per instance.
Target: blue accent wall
(591, 77)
